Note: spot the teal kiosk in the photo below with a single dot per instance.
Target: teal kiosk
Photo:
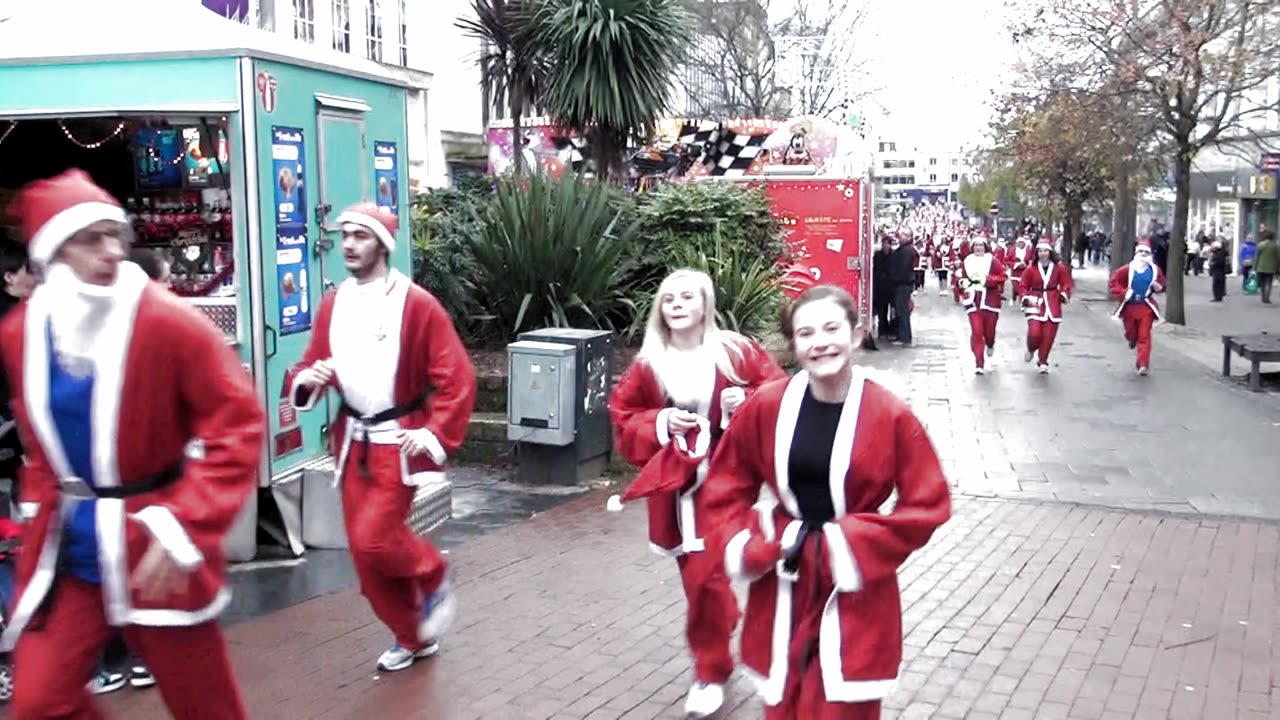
(233, 149)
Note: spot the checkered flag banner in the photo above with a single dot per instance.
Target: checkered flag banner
(735, 153)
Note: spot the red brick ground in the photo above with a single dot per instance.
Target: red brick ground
(1016, 610)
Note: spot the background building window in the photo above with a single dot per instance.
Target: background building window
(375, 32)
(304, 20)
(404, 33)
(342, 25)
(955, 177)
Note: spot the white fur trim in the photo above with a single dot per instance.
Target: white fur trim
(28, 510)
(735, 557)
(831, 660)
(166, 617)
(49, 238)
(842, 448)
(660, 551)
(167, 531)
(663, 430)
(373, 224)
(844, 566)
(428, 439)
(38, 586)
(304, 396)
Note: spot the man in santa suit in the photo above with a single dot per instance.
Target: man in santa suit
(1045, 287)
(982, 278)
(142, 435)
(1017, 257)
(1135, 286)
(938, 261)
(407, 388)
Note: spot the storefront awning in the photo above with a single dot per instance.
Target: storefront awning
(74, 31)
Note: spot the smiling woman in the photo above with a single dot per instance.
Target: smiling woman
(823, 548)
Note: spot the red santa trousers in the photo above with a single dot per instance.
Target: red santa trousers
(713, 614)
(982, 333)
(59, 652)
(1040, 337)
(803, 695)
(396, 567)
(1138, 319)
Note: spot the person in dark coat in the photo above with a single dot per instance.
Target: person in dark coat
(881, 288)
(902, 276)
(1219, 266)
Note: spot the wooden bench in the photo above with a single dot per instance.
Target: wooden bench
(1257, 349)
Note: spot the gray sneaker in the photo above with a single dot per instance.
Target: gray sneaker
(106, 681)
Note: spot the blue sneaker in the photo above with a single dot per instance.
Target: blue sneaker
(398, 658)
(438, 612)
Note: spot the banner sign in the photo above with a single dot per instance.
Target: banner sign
(385, 175)
(823, 221)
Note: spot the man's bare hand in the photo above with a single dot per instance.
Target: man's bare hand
(157, 576)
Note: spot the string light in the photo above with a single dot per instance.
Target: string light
(94, 145)
(5, 136)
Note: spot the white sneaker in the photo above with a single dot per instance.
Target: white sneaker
(704, 700)
(1044, 368)
(107, 681)
(1026, 357)
(1143, 370)
(398, 658)
(979, 371)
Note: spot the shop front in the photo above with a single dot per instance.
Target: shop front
(232, 150)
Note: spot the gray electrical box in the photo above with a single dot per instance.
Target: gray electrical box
(541, 393)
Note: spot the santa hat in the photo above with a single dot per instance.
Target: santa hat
(1044, 244)
(50, 211)
(379, 220)
(1143, 243)
(669, 470)
(979, 239)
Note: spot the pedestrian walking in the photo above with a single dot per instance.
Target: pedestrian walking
(407, 388)
(144, 440)
(1045, 288)
(1219, 268)
(1264, 263)
(902, 263)
(982, 276)
(1135, 286)
(822, 635)
(683, 389)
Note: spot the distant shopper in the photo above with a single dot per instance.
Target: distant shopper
(1219, 268)
(1264, 263)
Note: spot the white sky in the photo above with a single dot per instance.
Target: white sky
(938, 62)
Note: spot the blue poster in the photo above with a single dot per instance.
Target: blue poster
(159, 152)
(384, 173)
(291, 279)
(288, 156)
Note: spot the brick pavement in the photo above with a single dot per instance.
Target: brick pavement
(1015, 610)
(1181, 440)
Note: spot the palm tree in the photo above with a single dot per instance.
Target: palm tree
(507, 62)
(614, 62)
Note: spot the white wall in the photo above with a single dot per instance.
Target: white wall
(455, 100)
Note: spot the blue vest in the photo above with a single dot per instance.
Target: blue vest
(71, 404)
(1141, 283)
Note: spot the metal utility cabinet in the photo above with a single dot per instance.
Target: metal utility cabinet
(559, 381)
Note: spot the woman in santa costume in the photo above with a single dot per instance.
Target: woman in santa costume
(407, 387)
(1017, 257)
(1135, 286)
(938, 261)
(687, 382)
(1045, 287)
(982, 278)
(822, 635)
(142, 435)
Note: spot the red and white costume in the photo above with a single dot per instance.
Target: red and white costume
(394, 351)
(982, 278)
(1044, 290)
(173, 411)
(1138, 310)
(1018, 257)
(678, 524)
(825, 642)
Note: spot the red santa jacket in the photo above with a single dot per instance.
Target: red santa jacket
(1046, 291)
(167, 390)
(639, 410)
(986, 293)
(880, 447)
(1017, 260)
(1121, 285)
(433, 371)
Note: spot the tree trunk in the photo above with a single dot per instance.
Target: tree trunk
(517, 132)
(1073, 228)
(1125, 218)
(1176, 311)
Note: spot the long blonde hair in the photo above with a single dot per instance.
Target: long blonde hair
(726, 347)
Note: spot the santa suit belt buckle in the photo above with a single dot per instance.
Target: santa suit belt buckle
(74, 487)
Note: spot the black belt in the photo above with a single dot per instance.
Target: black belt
(391, 413)
(76, 487)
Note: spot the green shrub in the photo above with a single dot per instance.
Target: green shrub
(442, 259)
(552, 253)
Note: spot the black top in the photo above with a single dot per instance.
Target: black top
(809, 466)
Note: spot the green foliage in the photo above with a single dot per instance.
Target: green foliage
(613, 60)
(551, 253)
(442, 259)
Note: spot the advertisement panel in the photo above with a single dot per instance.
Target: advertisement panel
(824, 223)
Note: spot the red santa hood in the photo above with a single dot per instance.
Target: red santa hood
(669, 469)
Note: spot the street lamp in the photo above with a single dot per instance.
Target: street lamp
(994, 211)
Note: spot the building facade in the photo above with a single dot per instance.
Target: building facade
(415, 40)
(904, 175)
